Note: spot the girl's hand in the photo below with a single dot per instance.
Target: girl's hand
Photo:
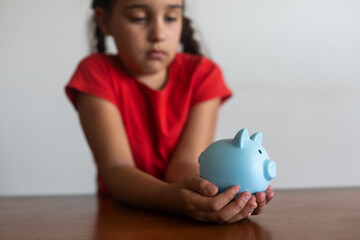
(262, 198)
(195, 197)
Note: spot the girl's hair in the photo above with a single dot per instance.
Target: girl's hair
(98, 44)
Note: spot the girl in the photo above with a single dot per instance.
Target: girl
(149, 111)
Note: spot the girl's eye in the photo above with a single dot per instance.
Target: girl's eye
(170, 19)
(138, 19)
(260, 151)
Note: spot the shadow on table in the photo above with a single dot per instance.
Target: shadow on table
(118, 221)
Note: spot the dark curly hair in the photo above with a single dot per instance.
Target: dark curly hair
(187, 40)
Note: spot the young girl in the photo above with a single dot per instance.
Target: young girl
(149, 111)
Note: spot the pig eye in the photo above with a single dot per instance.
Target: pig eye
(260, 151)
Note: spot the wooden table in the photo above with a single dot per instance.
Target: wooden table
(293, 214)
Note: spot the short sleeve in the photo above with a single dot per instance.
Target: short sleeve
(92, 77)
(209, 83)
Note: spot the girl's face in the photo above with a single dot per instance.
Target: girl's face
(146, 33)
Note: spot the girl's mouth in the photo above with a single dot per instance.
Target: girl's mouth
(156, 54)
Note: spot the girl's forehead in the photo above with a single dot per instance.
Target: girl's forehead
(149, 3)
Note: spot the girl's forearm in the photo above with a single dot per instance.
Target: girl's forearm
(134, 187)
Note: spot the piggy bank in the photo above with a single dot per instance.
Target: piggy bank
(240, 161)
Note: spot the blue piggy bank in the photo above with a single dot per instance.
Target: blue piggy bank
(240, 161)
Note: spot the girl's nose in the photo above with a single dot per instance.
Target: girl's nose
(157, 31)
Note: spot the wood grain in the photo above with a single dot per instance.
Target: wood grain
(293, 214)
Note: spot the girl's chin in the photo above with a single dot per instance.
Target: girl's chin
(154, 68)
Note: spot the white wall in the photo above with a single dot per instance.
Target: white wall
(293, 67)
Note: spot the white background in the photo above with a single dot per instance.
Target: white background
(294, 68)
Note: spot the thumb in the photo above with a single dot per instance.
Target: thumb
(200, 185)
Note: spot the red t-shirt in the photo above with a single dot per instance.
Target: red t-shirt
(153, 119)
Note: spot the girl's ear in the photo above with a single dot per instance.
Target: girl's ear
(102, 20)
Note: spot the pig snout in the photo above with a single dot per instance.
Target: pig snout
(269, 169)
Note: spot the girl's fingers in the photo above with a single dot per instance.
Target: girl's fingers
(245, 212)
(214, 204)
(235, 208)
(261, 202)
(269, 194)
(201, 196)
(200, 185)
(232, 212)
(262, 199)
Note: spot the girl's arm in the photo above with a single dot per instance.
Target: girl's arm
(197, 135)
(191, 195)
(106, 136)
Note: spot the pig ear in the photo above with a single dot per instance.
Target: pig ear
(257, 137)
(241, 137)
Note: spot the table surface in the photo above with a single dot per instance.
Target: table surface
(292, 214)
